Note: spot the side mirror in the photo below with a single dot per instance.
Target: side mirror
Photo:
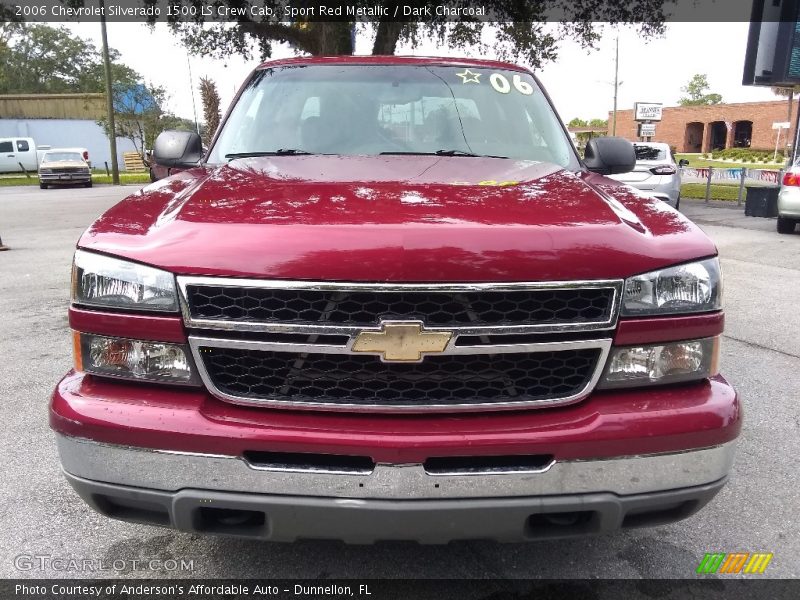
(609, 155)
(683, 163)
(178, 149)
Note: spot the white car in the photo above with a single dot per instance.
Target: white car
(656, 173)
(789, 200)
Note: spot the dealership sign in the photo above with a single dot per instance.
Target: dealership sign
(647, 129)
(647, 111)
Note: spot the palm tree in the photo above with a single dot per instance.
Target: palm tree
(787, 92)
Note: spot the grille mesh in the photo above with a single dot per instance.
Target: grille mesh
(364, 380)
(368, 308)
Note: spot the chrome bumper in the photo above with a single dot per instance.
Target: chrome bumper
(171, 471)
(56, 177)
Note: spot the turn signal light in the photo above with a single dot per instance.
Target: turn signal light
(665, 170)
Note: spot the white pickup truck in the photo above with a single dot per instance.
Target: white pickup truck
(18, 154)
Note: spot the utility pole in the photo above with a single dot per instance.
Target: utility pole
(109, 97)
(191, 89)
(616, 87)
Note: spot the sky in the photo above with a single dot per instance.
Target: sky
(580, 81)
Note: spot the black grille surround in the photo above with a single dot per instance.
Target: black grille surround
(299, 345)
(362, 380)
(368, 308)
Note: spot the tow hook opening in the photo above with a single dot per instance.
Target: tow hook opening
(231, 521)
(559, 524)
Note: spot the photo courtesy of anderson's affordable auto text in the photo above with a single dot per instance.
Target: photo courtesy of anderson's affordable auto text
(399, 299)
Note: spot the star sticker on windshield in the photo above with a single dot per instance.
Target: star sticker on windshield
(469, 77)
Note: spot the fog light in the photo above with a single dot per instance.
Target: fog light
(632, 366)
(134, 359)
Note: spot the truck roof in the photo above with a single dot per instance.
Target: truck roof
(391, 60)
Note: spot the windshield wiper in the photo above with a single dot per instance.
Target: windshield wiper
(278, 152)
(444, 153)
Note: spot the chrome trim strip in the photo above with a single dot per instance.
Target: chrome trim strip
(335, 329)
(492, 471)
(172, 471)
(604, 345)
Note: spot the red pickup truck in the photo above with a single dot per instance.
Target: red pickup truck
(392, 302)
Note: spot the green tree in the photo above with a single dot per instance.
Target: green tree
(584, 136)
(696, 92)
(139, 115)
(520, 29)
(40, 59)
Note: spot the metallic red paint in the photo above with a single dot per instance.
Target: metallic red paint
(607, 424)
(136, 326)
(395, 218)
(399, 219)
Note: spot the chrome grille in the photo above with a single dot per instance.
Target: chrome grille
(342, 379)
(70, 169)
(435, 308)
(289, 344)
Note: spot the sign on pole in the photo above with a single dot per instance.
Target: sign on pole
(647, 129)
(647, 111)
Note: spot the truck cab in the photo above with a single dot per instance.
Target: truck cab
(18, 154)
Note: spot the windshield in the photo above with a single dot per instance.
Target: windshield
(62, 156)
(394, 109)
(649, 152)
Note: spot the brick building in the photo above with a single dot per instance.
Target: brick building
(705, 128)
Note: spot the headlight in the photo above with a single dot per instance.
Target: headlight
(690, 288)
(45, 171)
(633, 366)
(107, 282)
(133, 359)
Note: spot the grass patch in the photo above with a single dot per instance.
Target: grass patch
(718, 191)
(97, 178)
(696, 162)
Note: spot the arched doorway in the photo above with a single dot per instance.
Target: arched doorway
(693, 137)
(742, 134)
(718, 137)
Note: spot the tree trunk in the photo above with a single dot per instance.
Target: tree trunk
(330, 39)
(386, 37)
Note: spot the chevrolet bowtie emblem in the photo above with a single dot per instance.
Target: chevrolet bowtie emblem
(402, 341)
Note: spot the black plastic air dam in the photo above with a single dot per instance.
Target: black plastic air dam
(359, 521)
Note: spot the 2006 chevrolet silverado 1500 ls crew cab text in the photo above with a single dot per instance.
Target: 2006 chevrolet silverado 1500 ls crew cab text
(391, 302)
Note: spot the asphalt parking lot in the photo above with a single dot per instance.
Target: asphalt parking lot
(40, 514)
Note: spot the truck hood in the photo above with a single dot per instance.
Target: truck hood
(396, 218)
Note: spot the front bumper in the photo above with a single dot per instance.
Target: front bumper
(288, 518)
(179, 458)
(64, 178)
(789, 202)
